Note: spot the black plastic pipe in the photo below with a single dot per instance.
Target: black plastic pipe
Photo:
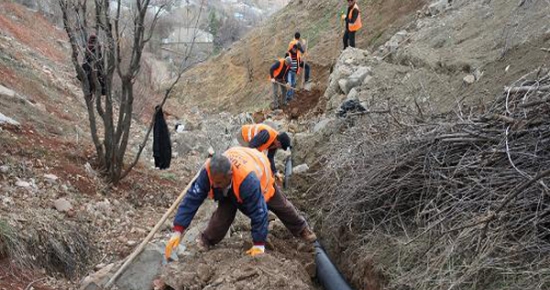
(327, 274)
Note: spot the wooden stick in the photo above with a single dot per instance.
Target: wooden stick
(140, 248)
(524, 89)
(286, 85)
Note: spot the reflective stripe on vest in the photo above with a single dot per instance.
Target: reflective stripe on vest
(249, 131)
(245, 161)
(357, 24)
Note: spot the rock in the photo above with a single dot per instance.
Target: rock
(204, 272)
(104, 207)
(99, 266)
(302, 168)
(89, 170)
(321, 125)
(62, 205)
(4, 169)
(97, 279)
(354, 79)
(51, 177)
(361, 73)
(24, 184)
(8, 201)
(352, 94)
(477, 74)
(469, 79)
(294, 113)
(141, 273)
(367, 79)
(438, 7)
(6, 92)
(7, 120)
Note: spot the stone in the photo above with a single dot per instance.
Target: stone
(7, 120)
(361, 73)
(469, 79)
(145, 268)
(51, 177)
(477, 74)
(367, 79)
(21, 183)
(437, 7)
(4, 169)
(96, 280)
(6, 92)
(321, 125)
(7, 201)
(302, 168)
(62, 205)
(204, 272)
(352, 94)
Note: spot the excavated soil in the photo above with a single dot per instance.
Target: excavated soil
(287, 264)
(303, 102)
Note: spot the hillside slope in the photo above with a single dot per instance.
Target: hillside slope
(236, 80)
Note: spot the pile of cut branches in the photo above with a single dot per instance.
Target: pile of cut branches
(459, 202)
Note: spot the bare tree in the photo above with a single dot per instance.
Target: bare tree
(112, 52)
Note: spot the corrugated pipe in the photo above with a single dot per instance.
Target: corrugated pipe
(327, 274)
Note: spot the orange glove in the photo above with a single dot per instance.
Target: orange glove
(256, 250)
(172, 244)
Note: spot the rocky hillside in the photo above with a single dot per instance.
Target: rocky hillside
(402, 111)
(236, 79)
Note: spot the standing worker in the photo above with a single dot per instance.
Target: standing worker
(277, 74)
(295, 58)
(264, 138)
(238, 179)
(353, 23)
(300, 53)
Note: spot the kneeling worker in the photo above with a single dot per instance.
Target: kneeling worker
(238, 179)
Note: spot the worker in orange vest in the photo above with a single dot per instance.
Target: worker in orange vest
(353, 23)
(300, 51)
(277, 74)
(265, 139)
(238, 179)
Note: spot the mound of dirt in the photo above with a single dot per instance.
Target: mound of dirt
(287, 264)
(303, 102)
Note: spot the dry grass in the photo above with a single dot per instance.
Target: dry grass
(38, 240)
(457, 202)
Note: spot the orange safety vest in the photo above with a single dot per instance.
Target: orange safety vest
(245, 161)
(279, 69)
(357, 24)
(291, 44)
(249, 131)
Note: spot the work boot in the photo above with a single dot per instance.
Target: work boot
(308, 236)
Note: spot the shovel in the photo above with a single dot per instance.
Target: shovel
(288, 172)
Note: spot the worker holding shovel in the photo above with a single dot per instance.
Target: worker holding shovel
(238, 179)
(277, 74)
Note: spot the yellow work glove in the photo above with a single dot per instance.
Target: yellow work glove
(256, 250)
(343, 16)
(173, 243)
